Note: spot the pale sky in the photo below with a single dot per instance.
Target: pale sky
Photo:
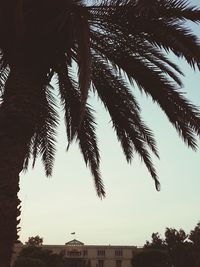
(132, 209)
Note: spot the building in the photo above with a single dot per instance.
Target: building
(77, 254)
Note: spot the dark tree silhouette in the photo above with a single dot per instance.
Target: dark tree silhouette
(183, 250)
(30, 255)
(152, 258)
(28, 262)
(39, 39)
(156, 243)
(34, 241)
(194, 236)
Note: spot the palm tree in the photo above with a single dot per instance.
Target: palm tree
(114, 44)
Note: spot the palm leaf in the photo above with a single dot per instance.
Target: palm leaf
(85, 133)
(179, 10)
(82, 33)
(167, 33)
(43, 141)
(161, 90)
(131, 131)
(4, 72)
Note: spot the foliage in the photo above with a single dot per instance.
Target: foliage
(34, 241)
(151, 258)
(28, 262)
(183, 250)
(47, 257)
(30, 252)
(156, 242)
(194, 236)
(114, 44)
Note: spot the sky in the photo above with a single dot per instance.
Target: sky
(132, 210)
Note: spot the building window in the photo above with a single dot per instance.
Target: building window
(118, 253)
(118, 263)
(101, 253)
(100, 263)
(73, 253)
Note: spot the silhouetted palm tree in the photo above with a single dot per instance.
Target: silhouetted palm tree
(112, 43)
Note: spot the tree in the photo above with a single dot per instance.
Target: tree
(34, 241)
(174, 237)
(194, 235)
(156, 243)
(177, 245)
(152, 258)
(36, 253)
(42, 39)
(28, 262)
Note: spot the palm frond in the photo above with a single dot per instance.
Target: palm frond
(158, 55)
(130, 129)
(181, 113)
(82, 35)
(27, 157)
(69, 101)
(88, 145)
(139, 49)
(4, 72)
(85, 133)
(167, 33)
(180, 40)
(151, 9)
(110, 41)
(179, 10)
(44, 139)
(47, 133)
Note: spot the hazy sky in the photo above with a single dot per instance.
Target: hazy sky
(133, 209)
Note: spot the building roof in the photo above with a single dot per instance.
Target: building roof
(74, 242)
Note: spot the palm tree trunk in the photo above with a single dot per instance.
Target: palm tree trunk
(18, 116)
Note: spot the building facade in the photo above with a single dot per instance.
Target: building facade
(77, 254)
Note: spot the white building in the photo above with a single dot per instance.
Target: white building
(77, 254)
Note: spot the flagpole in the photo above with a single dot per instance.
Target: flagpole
(74, 234)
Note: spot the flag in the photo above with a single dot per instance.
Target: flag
(73, 233)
